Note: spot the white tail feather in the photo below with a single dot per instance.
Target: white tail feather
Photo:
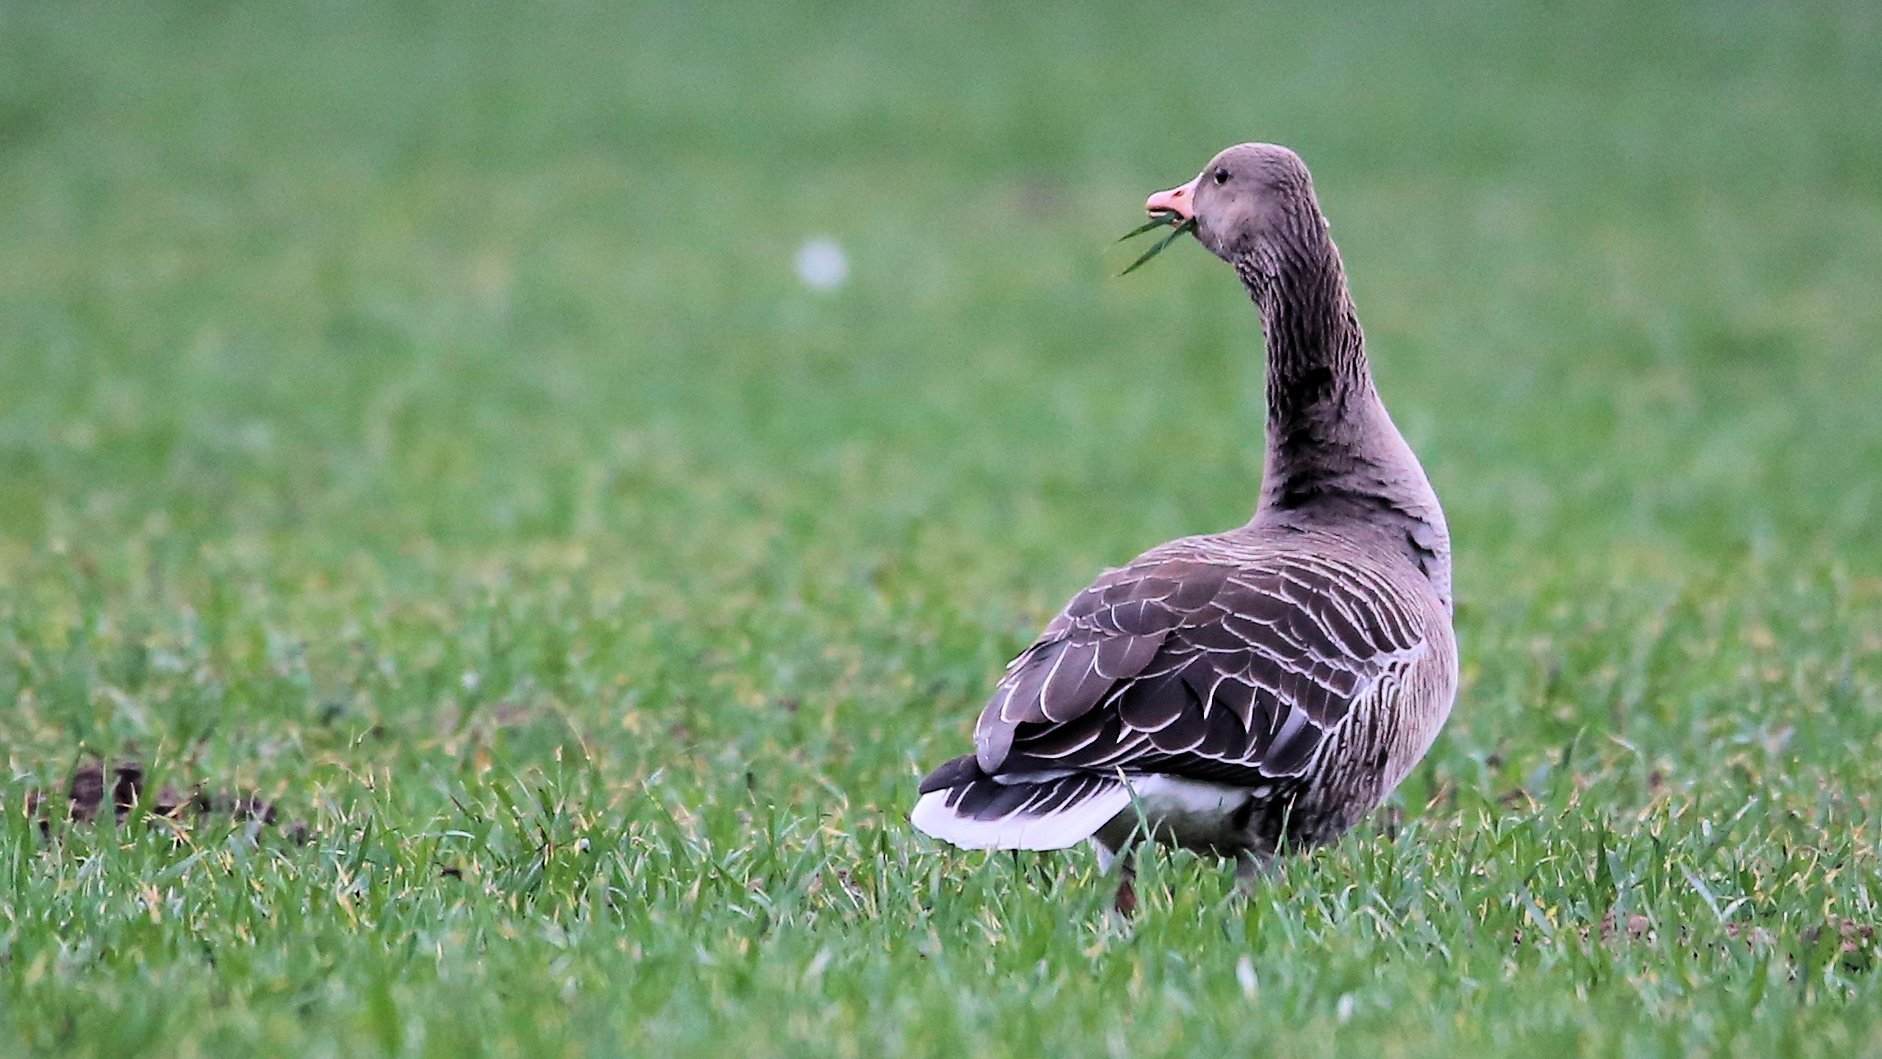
(1060, 829)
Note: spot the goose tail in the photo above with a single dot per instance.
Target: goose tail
(965, 806)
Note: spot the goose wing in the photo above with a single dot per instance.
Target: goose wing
(1217, 667)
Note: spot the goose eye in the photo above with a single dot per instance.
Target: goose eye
(1221, 176)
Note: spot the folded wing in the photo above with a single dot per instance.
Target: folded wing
(1224, 670)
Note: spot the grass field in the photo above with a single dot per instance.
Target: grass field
(410, 412)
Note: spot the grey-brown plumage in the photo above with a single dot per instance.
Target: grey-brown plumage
(1258, 689)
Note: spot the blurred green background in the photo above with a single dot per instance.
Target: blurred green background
(413, 412)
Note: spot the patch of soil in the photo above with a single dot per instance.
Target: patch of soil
(1856, 942)
(118, 787)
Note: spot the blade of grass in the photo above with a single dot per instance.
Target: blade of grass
(1180, 230)
(1162, 219)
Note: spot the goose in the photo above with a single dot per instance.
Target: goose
(1253, 692)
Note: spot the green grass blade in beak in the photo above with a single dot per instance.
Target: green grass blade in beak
(1181, 230)
(1161, 220)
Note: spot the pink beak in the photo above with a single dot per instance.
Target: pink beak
(1180, 201)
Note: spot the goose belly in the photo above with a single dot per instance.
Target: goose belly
(1193, 814)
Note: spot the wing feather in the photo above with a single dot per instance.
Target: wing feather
(1123, 657)
(1199, 660)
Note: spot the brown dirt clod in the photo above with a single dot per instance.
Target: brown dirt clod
(120, 786)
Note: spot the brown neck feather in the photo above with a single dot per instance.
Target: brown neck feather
(1320, 392)
(1333, 453)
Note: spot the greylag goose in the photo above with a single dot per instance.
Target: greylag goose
(1255, 691)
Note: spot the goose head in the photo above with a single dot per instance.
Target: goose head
(1247, 199)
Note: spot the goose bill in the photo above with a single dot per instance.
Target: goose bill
(1179, 200)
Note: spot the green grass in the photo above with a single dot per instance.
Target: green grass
(410, 412)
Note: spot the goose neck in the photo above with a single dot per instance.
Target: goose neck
(1319, 384)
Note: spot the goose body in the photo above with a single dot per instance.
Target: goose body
(1256, 690)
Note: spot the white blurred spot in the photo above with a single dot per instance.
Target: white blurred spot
(818, 964)
(1245, 977)
(822, 265)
